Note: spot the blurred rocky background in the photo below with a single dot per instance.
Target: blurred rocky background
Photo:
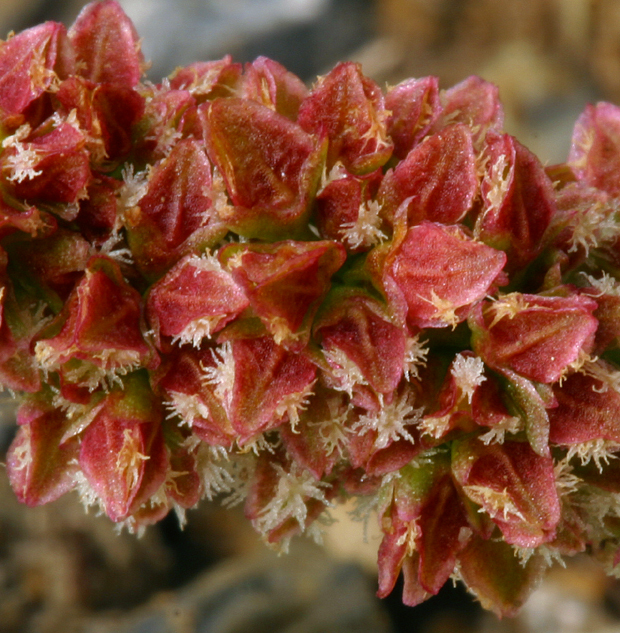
(67, 572)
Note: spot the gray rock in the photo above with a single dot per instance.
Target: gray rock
(302, 592)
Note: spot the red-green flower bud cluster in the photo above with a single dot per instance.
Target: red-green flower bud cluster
(228, 284)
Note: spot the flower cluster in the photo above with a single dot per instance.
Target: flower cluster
(230, 285)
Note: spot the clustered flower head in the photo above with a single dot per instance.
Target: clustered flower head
(230, 285)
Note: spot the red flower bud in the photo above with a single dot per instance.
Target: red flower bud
(208, 80)
(358, 337)
(106, 113)
(518, 200)
(189, 395)
(587, 414)
(348, 213)
(425, 528)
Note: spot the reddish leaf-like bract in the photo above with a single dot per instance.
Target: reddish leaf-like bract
(122, 453)
(437, 180)
(513, 484)
(391, 557)
(436, 274)
(163, 122)
(349, 110)
(357, 325)
(183, 485)
(535, 336)
(317, 441)
(414, 106)
(195, 299)
(518, 200)
(426, 528)
(346, 211)
(267, 381)
(474, 102)
(595, 149)
(190, 397)
(40, 466)
(106, 113)
(285, 282)
(28, 62)
(587, 410)
(60, 171)
(497, 576)
(269, 83)
(107, 45)
(176, 214)
(100, 323)
(444, 533)
(271, 167)
(208, 80)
